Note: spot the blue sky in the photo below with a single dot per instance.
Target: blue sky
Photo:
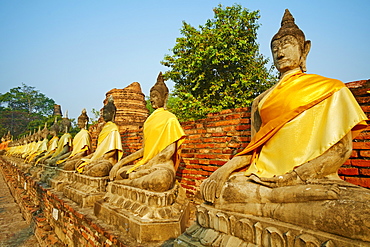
(76, 51)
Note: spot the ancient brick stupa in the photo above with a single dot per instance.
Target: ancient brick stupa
(131, 106)
(131, 109)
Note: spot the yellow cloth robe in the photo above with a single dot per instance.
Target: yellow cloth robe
(65, 139)
(41, 148)
(160, 130)
(302, 117)
(109, 139)
(52, 146)
(81, 142)
(33, 151)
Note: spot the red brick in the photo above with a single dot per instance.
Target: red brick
(361, 145)
(363, 100)
(228, 128)
(363, 182)
(348, 171)
(188, 187)
(360, 163)
(365, 153)
(242, 127)
(210, 168)
(228, 122)
(204, 162)
(365, 172)
(233, 116)
(217, 162)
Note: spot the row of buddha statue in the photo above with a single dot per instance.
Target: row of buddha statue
(155, 171)
(302, 131)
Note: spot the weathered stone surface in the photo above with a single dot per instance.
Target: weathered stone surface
(85, 190)
(61, 179)
(216, 227)
(145, 215)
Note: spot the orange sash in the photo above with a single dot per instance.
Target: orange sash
(294, 94)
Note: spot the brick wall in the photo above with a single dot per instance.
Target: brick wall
(356, 170)
(210, 143)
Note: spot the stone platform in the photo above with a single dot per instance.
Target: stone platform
(145, 215)
(216, 227)
(85, 190)
(61, 179)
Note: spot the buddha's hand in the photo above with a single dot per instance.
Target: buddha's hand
(288, 179)
(211, 188)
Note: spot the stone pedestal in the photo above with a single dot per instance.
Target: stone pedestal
(216, 227)
(85, 190)
(61, 178)
(147, 216)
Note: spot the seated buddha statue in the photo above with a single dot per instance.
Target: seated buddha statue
(52, 144)
(34, 146)
(109, 147)
(64, 144)
(81, 144)
(42, 146)
(163, 136)
(302, 130)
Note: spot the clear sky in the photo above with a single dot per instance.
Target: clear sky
(76, 51)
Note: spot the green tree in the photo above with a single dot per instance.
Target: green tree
(23, 108)
(218, 66)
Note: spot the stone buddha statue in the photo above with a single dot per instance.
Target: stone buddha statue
(35, 145)
(81, 144)
(52, 144)
(302, 130)
(64, 144)
(163, 136)
(42, 146)
(109, 148)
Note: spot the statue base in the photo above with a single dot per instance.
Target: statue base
(146, 215)
(61, 179)
(85, 190)
(215, 227)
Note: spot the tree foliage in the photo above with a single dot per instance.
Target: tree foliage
(218, 66)
(22, 109)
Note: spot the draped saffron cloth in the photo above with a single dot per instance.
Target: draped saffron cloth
(81, 143)
(52, 146)
(160, 130)
(65, 139)
(302, 117)
(109, 139)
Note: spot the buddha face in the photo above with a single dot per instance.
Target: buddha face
(286, 53)
(156, 99)
(107, 114)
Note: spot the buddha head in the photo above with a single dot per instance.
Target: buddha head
(82, 120)
(159, 93)
(289, 46)
(54, 129)
(65, 123)
(109, 110)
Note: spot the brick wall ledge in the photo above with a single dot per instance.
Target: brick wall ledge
(57, 220)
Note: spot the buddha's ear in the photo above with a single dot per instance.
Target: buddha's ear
(306, 50)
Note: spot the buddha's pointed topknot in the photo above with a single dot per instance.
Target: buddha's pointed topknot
(160, 86)
(288, 19)
(288, 27)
